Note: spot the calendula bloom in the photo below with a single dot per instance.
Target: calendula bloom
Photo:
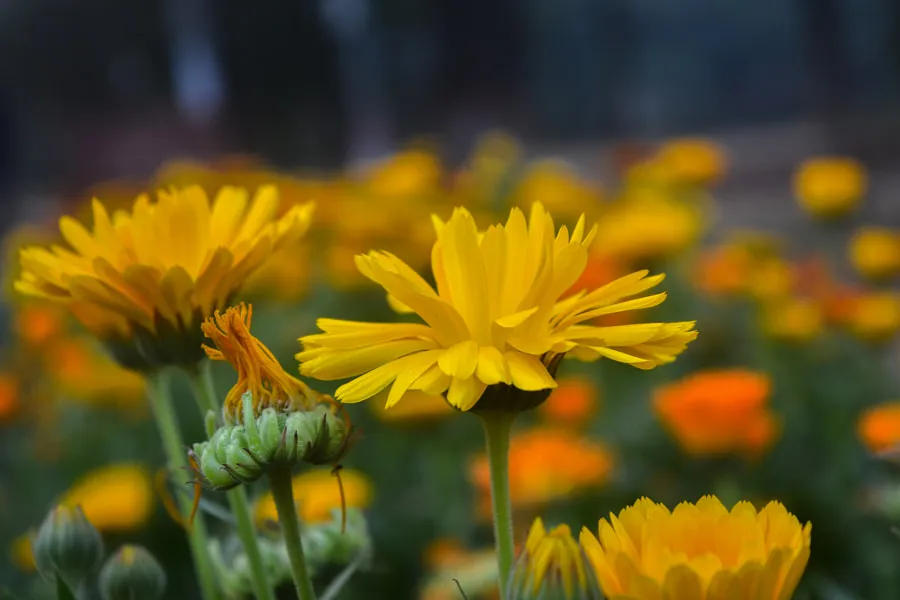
(875, 252)
(879, 427)
(723, 271)
(875, 316)
(701, 551)
(406, 173)
(20, 553)
(572, 403)
(551, 566)
(316, 494)
(716, 412)
(143, 280)
(259, 372)
(494, 320)
(545, 464)
(830, 187)
(115, 498)
(36, 323)
(795, 320)
(559, 188)
(695, 162)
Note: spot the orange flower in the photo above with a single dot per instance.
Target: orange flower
(9, 395)
(545, 465)
(879, 427)
(573, 402)
(718, 412)
(36, 323)
(723, 271)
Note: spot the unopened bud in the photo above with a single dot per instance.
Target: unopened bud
(132, 573)
(67, 545)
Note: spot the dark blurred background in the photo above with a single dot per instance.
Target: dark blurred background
(96, 89)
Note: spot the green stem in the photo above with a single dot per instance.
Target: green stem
(176, 455)
(204, 391)
(497, 427)
(283, 495)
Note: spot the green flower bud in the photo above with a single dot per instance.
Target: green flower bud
(132, 573)
(68, 545)
(337, 542)
(233, 567)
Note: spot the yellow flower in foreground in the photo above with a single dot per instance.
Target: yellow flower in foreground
(830, 187)
(259, 372)
(700, 551)
(551, 566)
(879, 427)
(143, 280)
(316, 494)
(115, 498)
(495, 317)
(875, 252)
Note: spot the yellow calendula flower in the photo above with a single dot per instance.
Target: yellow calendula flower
(875, 252)
(793, 319)
(691, 161)
(316, 494)
(143, 280)
(701, 551)
(115, 498)
(559, 187)
(551, 566)
(495, 318)
(830, 187)
(874, 316)
(259, 372)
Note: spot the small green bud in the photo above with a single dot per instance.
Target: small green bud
(67, 544)
(132, 573)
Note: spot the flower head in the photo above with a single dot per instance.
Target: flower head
(551, 566)
(830, 187)
(715, 412)
(572, 403)
(114, 498)
(495, 318)
(879, 427)
(696, 162)
(875, 252)
(258, 370)
(317, 494)
(699, 550)
(142, 280)
(874, 316)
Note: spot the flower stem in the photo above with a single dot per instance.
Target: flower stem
(204, 392)
(283, 495)
(176, 455)
(497, 427)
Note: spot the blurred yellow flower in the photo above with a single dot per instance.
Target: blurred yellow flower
(647, 225)
(550, 566)
(572, 403)
(793, 319)
(9, 396)
(718, 412)
(115, 498)
(692, 161)
(544, 465)
(875, 252)
(316, 494)
(771, 279)
(259, 372)
(558, 187)
(417, 407)
(406, 174)
(20, 553)
(143, 280)
(879, 427)
(875, 316)
(830, 187)
(700, 551)
(283, 277)
(495, 318)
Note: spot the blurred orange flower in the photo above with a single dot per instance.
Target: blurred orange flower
(830, 187)
(572, 403)
(37, 322)
(544, 465)
(9, 395)
(718, 412)
(879, 427)
(722, 271)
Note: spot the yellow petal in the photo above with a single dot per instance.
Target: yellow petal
(527, 372)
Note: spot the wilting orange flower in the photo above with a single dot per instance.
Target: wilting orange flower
(831, 186)
(546, 465)
(879, 427)
(259, 372)
(9, 395)
(572, 403)
(718, 412)
(700, 551)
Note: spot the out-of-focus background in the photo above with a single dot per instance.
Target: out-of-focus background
(325, 98)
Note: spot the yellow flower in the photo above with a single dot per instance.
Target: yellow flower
(115, 498)
(830, 187)
(559, 188)
(20, 553)
(875, 316)
(143, 280)
(551, 565)
(879, 427)
(771, 279)
(405, 174)
(691, 161)
(495, 318)
(259, 372)
(793, 319)
(418, 407)
(317, 494)
(875, 252)
(700, 551)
